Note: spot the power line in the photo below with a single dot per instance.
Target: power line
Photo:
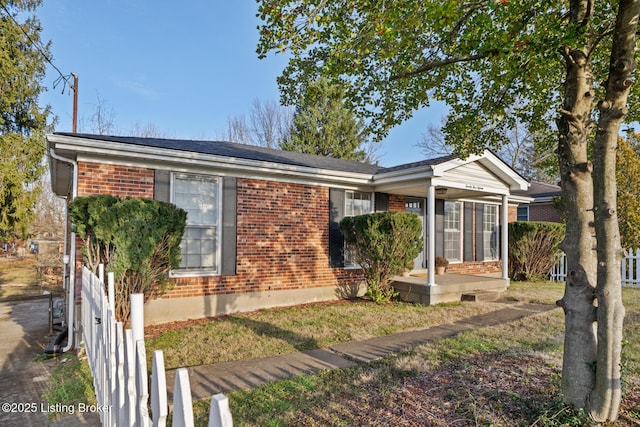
(42, 51)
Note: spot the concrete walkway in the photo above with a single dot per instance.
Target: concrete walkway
(24, 377)
(208, 380)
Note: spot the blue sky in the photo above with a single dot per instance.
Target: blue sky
(183, 69)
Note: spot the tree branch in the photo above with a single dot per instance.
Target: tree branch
(428, 66)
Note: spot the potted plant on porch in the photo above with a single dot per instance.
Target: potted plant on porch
(441, 264)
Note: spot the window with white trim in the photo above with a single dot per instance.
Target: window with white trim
(199, 196)
(356, 203)
(490, 232)
(453, 231)
(523, 213)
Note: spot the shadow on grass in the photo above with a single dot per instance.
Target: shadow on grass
(298, 341)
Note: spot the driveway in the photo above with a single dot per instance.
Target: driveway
(24, 328)
(24, 376)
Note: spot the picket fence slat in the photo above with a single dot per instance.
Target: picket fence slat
(142, 385)
(159, 405)
(118, 364)
(629, 269)
(219, 414)
(129, 375)
(183, 406)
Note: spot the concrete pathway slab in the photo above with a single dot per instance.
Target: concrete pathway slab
(207, 380)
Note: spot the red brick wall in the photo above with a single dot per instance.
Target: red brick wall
(282, 243)
(282, 233)
(97, 178)
(475, 267)
(397, 203)
(544, 212)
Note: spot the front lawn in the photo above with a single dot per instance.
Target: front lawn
(503, 375)
(276, 331)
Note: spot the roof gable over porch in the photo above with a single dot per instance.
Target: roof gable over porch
(475, 176)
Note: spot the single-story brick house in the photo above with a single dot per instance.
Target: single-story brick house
(542, 206)
(263, 224)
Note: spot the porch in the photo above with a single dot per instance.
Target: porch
(450, 287)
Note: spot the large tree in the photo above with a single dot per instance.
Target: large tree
(23, 122)
(496, 63)
(324, 126)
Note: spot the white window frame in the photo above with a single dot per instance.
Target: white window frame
(489, 236)
(349, 262)
(198, 272)
(459, 230)
(518, 216)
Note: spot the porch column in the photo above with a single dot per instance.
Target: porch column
(504, 244)
(431, 234)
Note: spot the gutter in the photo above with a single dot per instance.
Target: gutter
(92, 148)
(71, 297)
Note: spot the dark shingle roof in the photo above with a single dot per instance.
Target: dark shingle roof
(240, 151)
(540, 190)
(252, 152)
(428, 162)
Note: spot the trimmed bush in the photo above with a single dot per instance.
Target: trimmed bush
(137, 239)
(533, 248)
(385, 244)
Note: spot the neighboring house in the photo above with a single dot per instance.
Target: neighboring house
(263, 225)
(542, 206)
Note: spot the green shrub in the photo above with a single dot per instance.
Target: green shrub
(93, 222)
(533, 248)
(385, 244)
(136, 239)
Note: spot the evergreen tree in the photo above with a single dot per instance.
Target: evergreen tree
(23, 122)
(323, 125)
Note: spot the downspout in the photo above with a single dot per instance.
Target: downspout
(71, 297)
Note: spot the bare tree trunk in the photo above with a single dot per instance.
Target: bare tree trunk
(575, 170)
(605, 399)
(574, 126)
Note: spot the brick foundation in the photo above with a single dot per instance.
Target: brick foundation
(475, 267)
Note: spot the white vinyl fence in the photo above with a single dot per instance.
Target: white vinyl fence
(630, 269)
(118, 363)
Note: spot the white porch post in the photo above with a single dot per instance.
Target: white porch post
(431, 234)
(504, 248)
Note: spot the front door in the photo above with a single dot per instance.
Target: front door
(417, 206)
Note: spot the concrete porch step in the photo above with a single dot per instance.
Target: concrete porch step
(481, 296)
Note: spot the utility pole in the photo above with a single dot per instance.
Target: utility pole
(74, 125)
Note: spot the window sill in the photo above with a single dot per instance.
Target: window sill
(176, 274)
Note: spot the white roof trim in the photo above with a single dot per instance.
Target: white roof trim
(92, 149)
(88, 149)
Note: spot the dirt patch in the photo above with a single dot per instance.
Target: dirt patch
(487, 389)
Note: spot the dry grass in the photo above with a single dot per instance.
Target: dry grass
(19, 279)
(504, 375)
(286, 330)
